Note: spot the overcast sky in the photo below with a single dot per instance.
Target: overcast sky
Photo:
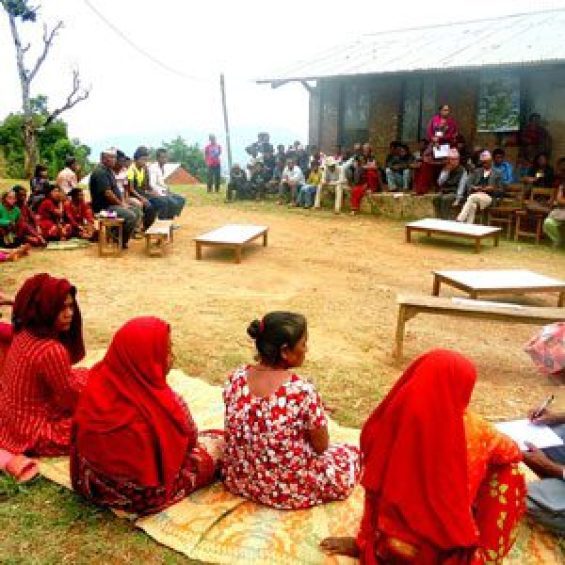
(134, 98)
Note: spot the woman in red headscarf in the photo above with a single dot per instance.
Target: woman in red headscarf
(38, 387)
(135, 445)
(441, 484)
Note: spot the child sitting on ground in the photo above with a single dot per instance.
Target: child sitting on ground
(9, 216)
(52, 220)
(79, 215)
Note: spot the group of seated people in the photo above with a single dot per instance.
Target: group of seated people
(57, 211)
(465, 182)
(133, 190)
(441, 484)
(51, 211)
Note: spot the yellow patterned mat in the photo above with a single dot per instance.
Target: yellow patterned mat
(214, 526)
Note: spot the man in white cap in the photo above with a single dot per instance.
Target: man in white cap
(484, 184)
(452, 184)
(105, 194)
(332, 176)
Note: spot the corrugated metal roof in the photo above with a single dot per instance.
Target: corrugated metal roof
(521, 39)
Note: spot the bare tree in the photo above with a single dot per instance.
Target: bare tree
(19, 11)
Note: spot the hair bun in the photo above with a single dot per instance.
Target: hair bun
(253, 329)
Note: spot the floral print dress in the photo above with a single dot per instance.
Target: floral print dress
(268, 458)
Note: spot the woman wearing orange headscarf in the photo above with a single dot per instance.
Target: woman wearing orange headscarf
(135, 445)
(441, 484)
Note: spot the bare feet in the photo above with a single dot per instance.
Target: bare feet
(340, 546)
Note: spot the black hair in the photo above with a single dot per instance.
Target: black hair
(498, 151)
(70, 161)
(160, 151)
(39, 169)
(273, 332)
(537, 157)
(561, 160)
(443, 105)
(120, 154)
(75, 192)
(17, 189)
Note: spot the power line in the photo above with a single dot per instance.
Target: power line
(142, 51)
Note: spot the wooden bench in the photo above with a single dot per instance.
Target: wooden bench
(158, 236)
(110, 237)
(231, 236)
(410, 306)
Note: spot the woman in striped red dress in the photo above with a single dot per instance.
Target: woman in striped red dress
(39, 389)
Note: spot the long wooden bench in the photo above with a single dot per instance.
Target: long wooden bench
(158, 236)
(410, 306)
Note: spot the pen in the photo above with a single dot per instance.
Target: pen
(544, 406)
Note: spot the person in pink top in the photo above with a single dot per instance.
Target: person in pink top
(212, 153)
(442, 128)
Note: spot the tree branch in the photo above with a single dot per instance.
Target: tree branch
(47, 41)
(77, 94)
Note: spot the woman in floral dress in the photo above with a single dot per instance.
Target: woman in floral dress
(277, 442)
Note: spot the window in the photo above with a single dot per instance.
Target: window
(356, 104)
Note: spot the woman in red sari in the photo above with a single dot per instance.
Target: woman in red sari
(51, 214)
(38, 387)
(441, 484)
(135, 445)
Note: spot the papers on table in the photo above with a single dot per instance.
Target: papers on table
(441, 151)
(522, 431)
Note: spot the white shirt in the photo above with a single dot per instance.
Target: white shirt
(157, 179)
(295, 176)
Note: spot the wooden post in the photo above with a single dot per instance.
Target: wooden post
(226, 122)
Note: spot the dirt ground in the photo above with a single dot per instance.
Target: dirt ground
(343, 273)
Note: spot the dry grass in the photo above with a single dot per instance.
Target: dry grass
(343, 273)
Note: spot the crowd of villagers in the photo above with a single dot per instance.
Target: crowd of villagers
(441, 484)
(464, 181)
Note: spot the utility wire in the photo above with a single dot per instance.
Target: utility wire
(142, 51)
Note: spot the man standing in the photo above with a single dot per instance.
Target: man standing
(212, 153)
(484, 184)
(105, 194)
(158, 186)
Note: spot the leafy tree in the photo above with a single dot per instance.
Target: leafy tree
(18, 12)
(191, 157)
(53, 143)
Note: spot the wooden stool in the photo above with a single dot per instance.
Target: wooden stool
(158, 236)
(111, 237)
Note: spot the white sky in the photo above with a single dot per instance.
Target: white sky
(132, 98)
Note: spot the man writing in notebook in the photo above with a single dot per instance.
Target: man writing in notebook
(546, 497)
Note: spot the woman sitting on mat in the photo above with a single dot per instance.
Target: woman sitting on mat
(135, 445)
(441, 484)
(38, 387)
(277, 442)
(51, 214)
(28, 230)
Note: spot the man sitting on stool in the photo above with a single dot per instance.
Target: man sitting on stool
(484, 184)
(452, 184)
(332, 176)
(105, 194)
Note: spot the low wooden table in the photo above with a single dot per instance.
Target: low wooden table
(231, 236)
(431, 226)
(512, 281)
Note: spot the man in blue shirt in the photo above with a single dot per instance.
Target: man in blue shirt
(503, 167)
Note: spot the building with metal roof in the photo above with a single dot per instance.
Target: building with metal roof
(386, 86)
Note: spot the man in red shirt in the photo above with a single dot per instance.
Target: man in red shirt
(212, 153)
